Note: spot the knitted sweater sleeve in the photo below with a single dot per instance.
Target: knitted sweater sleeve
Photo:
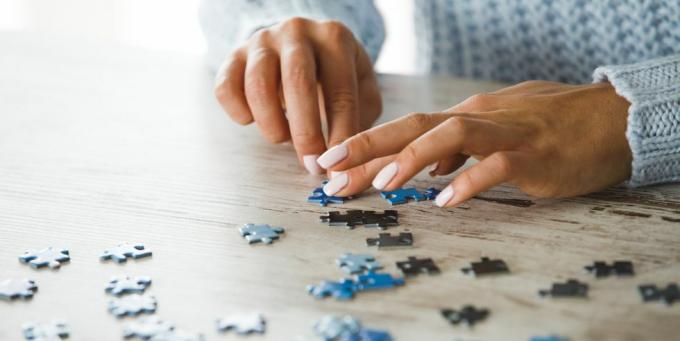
(226, 24)
(653, 89)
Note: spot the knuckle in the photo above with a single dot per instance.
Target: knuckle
(257, 86)
(336, 32)
(364, 142)
(298, 77)
(275, 135)
(478, 101)
(295, 24)
(502, 163)
(342, 102)
(261, 37)
(458, 126)
(418, 120)
(306, 136)
(410, 153)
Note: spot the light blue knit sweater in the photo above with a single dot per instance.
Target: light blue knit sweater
(634, 44)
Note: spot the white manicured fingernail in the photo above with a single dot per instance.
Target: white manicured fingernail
(335, 184)
(444, 197)
(332, 156)
(335, 173)
(385, 175)
(433, 167)
(311, 165)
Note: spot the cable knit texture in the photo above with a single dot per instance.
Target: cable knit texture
(635, 44)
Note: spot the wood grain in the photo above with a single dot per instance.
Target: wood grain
(101, 144)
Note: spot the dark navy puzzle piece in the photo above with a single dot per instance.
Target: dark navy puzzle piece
(486, 267)
(341, 290)
(376, 281)
(319, 196)
(414, 266)
(352, 218)
(50, 257)
(388, 240)
(669, 295)
(468, 315)
(601, 269)
(17, 288)
(570, 288)
(256, 233)
(122, 252)
(402, 195)
(431, 193)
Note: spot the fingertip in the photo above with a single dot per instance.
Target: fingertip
(445, 196)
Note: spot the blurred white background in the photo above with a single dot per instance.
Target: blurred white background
(173, 25)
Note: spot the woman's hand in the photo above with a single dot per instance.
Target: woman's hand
(288, 78)
(549, 139)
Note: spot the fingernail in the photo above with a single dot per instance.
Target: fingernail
(385, 175)
(433, 167)
(332, 156)
(444, 197)
(335, 173)
(335, 184)
(311, 165)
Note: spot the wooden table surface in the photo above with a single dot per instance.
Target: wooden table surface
(101, 144)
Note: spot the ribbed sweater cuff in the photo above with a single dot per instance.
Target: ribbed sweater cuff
(653, 89)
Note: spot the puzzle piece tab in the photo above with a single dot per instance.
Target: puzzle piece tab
(53, 331)
(620, 268)
(486, 267)
(414, 266)
(669, 295)
(260, 233)
(332, 327)
(468, 315)
(356, 263)
(341, 290)
(376, 281)
(243, 324)
(146, 327)
(388, 240)
(49, 257)
(570, 288)
(17, 288)
(401, 196)
(122, 252)
(132, 305)
(319, 196)
(126, 285)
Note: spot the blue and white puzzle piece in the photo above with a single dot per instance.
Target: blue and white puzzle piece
(341, 290)
(50, 257)
(402, 195)
(133, 305)
(177, 335)
(318, 196)
(146, 328)
(119, 286)
(122, 252)
(17, 288)
(260, 233)
(243, 324)
(376, 281)
(356, 263)
(53, 331)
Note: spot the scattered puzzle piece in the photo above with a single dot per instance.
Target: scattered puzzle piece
(122, 252)
(17, 288)
(486, 267)
(570, 288)
(356, 263)
(468, 315)
(431, 193)
(132, 305)
(602, 269)
(53, 331)
(332, 327)
(49, 257)
(352, 218)
(319, 196)
(126, 285)
(381, 220)
(375, 281)
(401, 196)
(414, 266)
(177, 335)
(146, 327)
(669, 295)
(243, 324)
(548, 338)
(371, 335)
(341, 290)
(388, 240)
(256, 233)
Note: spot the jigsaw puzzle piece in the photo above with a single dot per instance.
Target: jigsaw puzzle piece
(487, 267)
(570, 288)
(122, 252)
(126, 285)
(146, 327)
(388, 240)
(260, 233)
(376, 281)
(370, 335)
(177, 335)
(319, 196)
(468, 315)
(356, 263)
(401, 196)
(601, 269)
(332, 327)
(548, 338)
(348, 219)
(49, 257)
(53, 331)
(669, 295)
(431, 193)
(132, 305)
(341, 290)
(414, 266)
(17, 288)
(380, 220)
(243, 324)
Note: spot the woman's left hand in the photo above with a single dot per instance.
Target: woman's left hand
(549, 139)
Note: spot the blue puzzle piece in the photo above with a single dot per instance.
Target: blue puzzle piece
(52, 331)
(371, 335)
(353, 263)
(122, 252)
(126, 285)
(342, 290)
(318, 196)
(256, 233)
(431, 193)
(548, 338)
(401, 196)
(50, 257)
(132, 305)
(17, 288)
(376, 281)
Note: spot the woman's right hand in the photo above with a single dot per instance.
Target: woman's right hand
(289, 76)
